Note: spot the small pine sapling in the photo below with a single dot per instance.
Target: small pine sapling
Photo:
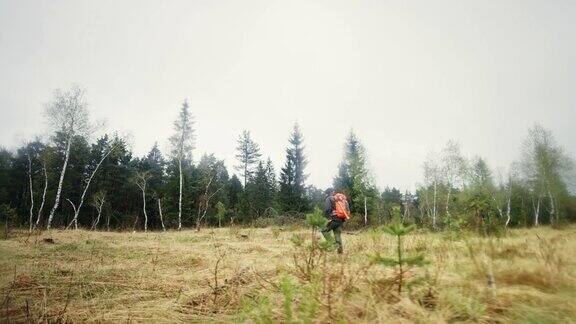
(402, 262)
(221, 212)
(307, 257)
(317, 221)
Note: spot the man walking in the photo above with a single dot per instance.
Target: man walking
(337, 210)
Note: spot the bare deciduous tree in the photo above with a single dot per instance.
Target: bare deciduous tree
(141, 180)
(182, 145)
(160, 213)
(204, 199)
(432, 177)
(43, 194)
(453, 168)
(105, 154)
(98, 201)
(544, 168)
(28, 153)
(67, 114)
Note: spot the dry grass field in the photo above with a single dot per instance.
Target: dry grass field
(262, 276)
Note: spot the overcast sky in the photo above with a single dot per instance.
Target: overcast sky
(407, 76)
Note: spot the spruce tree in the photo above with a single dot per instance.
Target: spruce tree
(292, 195)
(234, 193)
(353, 177)
(259, 194)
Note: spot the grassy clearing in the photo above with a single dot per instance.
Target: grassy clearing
(231, 275)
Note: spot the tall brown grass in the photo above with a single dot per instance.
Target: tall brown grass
(252, 275)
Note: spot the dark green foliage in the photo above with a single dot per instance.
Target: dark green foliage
(259, 192)
(316, 220)
(292, 195)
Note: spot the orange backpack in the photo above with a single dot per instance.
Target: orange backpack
(340, 207)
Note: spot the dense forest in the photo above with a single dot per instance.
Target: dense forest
(70, 181)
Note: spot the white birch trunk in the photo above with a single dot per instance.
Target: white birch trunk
(498, 207)
(43, 196)
(99, 207)
(60, 182)
(144, 207)
(508, 216)
(202, 213)
(434, 206)
(161, 217)
(427, 204)
(73, 206)
(31, 191)
(77, 211)
(365, 212)
(552, 208)
(448, 215)
(180, 197)
(537, 213)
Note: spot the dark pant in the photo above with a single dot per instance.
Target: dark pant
(334, 225)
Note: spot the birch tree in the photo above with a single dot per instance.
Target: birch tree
(28, 155)
(98, 201)
(214, 178)
(159, 200)
(453, 168)
(67, 113)
(45, 173)
(182, 142)
(545, 169)
(432, 177)
(107, 150)
(141, 180)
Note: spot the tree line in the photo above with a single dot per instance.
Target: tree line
(68, 181)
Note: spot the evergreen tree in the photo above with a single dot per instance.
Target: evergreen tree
(248, 155)
(235, 191)
(391, 196)
(353, 178)
(271, 176)
(151, 172)
(6, 163)
(292, 195)
(155, 164)
(259, 193)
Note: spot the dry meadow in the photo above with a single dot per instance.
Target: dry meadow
(270, 275)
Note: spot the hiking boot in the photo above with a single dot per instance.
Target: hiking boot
(340, 250)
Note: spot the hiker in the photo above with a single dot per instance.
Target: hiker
(337, 210)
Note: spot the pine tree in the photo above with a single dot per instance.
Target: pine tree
(248, 155)
(401, 262)
(292, 195)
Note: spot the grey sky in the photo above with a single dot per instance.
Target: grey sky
(406, 75)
